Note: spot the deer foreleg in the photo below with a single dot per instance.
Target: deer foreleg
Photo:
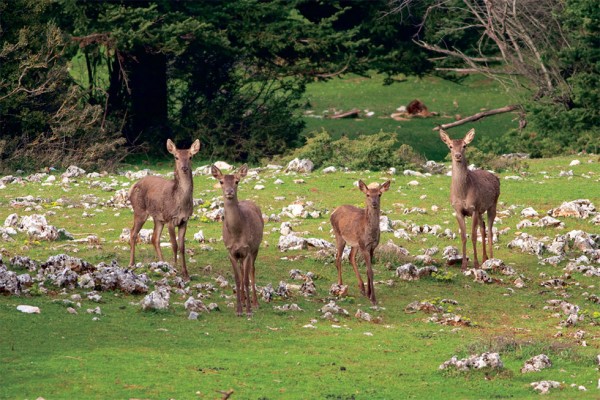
(246, 267)
(463, 237)
(491, 215)
(484, 256)
(368, 255)
(361, 284)
(253, 281)
(238, 284)
(173, 240)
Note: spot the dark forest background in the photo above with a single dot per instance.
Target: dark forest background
(233, 73)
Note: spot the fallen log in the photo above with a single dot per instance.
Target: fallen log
(352, 113)
(478, 116)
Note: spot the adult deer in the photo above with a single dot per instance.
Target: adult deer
(242, 233)
(472, 193)
(360, 229)
(167, 202)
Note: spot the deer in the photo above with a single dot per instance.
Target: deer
(472, 193)
(168, 202)
(359, 228)
(242, 234)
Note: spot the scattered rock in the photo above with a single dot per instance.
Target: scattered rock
(157, 300)
(485, 360)
(536, 363)
(28, 309)
(544, 386)
(581, 208)
(300, 165)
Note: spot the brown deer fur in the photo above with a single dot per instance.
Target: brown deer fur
(472, 193)
(167, 202)
(359, 228)
(242, 234)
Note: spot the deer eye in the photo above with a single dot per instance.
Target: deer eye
(221, 182)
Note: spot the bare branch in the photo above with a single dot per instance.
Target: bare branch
(478, 116)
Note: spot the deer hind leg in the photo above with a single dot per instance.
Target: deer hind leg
(340, 244)
(474, 228)
(238, 284)
(158, 227)
(463, 237)
(361, 284)
(138, 222)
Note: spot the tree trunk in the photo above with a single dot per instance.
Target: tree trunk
(148, 84)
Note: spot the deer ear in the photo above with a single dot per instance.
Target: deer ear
(195, 147)
(216, 172)
(385, 187)
(469, 136)
(243, 171)
(445, 138)
(363, 188)
(171, 147)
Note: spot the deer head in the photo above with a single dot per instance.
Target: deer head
(457, 146)
(229, 183)
(183, 157)
(373, 193)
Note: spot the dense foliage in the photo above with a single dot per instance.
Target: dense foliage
(41, 106)
(114, 76)
(231, 73)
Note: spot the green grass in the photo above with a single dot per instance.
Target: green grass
(128, 353)
(466, 97)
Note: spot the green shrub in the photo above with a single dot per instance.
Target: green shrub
(374, 152)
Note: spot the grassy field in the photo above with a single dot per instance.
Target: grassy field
(130, 353)
(463, 98)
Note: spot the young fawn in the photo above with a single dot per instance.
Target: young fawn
(359, 228)
(167, 202)
(472, 193)
(242, 234)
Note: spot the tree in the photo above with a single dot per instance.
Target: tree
(231, 72)
(44, 120)
(548, 47)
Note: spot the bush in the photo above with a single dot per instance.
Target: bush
(374, 152)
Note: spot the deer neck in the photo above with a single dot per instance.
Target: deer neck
(460, 179)
(233, 214)
(183, 182)
(372, 218)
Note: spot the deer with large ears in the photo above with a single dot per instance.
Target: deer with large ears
(242, 233)
(472, 193)
(359, 228)
(168, 202)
